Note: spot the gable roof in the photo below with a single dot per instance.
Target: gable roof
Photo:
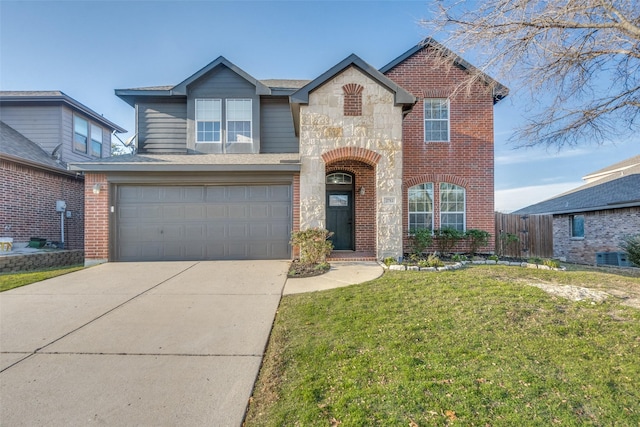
(499, 90)
(401, 96)
(16, 147)
(54, 97)
(618, 189)
(180, 90)
(616, 168)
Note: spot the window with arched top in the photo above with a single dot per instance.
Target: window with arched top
(452, 206)
(421, 207)
(339, 178)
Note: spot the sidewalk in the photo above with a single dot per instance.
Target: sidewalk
(342, 273)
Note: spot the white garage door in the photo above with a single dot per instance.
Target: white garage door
(167, 223)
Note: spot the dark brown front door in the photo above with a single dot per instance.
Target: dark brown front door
(340, 218)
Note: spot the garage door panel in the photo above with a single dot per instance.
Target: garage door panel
(203, 222)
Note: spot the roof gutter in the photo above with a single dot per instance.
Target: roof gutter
(40, 166)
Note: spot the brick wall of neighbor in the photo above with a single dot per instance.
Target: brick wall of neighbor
(603, 232)
(467, 159)
(28, 205)
(96, 219)
(324, 128)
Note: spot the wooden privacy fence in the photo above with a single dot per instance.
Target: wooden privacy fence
(534, 235)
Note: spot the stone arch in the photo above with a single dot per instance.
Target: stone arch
(352, 153)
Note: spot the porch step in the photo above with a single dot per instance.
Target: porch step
(351, 256)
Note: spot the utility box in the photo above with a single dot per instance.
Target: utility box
(61, 206)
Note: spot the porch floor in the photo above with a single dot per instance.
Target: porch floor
(352, 256)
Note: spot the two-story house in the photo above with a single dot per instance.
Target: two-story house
(40, 133)
(228, 165)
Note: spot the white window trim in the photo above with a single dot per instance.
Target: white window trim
(195, 114)
(226, 105)
(464, 205)
(424, 120)
(409, 211)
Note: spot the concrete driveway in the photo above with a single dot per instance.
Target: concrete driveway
(152, 344)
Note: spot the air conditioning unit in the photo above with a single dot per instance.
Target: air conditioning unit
(618, 259)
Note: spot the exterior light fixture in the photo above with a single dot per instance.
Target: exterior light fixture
(362, 191)
(96, 188)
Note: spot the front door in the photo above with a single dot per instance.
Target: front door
(340, 218)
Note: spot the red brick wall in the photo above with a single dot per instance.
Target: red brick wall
(352, 99)
(296, 211)
(28, 205)
(96, 218)
(468, 158)
(365, 205)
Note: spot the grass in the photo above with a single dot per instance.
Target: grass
(469, 347)
(15, 280)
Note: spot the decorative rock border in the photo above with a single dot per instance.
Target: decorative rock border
(458, 265)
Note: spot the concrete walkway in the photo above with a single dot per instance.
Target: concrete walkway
(157, 344)
(154, 344)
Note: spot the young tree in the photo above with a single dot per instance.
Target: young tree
(580, 59)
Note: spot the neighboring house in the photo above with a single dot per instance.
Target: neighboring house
(228, 165)
(40, 133)
(590, 221)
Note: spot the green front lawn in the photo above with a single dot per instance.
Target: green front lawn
(15, 280)
(475, 346)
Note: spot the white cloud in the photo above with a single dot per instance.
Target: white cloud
(516, 198)
(528, 156)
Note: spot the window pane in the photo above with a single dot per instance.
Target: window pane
(436, 119)
(577, 226)
(452, 206)
(239, 116)
(208, 120)
(80, 134)
(96, 141)
(421, 206)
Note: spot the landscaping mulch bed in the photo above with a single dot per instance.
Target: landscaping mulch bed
(299, 270)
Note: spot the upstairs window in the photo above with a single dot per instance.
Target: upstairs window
(80, 134)
(452, 206)
(436, 120)
(421, 207)
(208, 120)
(239, 114)
(96, 141)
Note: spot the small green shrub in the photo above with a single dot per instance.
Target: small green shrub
(504, 240)
(477, 239)
(389, 261)
(551, 263)
(459, 257)
(493, 257)
(434, 261)
(631, 245)
(420, 239)
(535, 260)
(314, 245)
(446, 239)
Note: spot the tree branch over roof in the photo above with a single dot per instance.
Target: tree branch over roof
(579, 60)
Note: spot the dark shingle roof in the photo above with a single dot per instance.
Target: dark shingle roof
(619, 189)
(16, 146)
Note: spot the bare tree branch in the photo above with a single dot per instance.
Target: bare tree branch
(579, 60)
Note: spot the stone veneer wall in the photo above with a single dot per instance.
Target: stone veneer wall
(27, 262)
(324, 127)
(603, 232)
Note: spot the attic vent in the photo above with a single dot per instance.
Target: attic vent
(619, 259)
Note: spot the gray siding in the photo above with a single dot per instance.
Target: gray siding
(278, 135)
(223, 83)
(41, 124)
(162, 127)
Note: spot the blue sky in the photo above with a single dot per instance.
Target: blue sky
(89, 48)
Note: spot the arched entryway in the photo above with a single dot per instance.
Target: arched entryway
(340, 214)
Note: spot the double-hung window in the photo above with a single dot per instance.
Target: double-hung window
(238, 120)
(96, 141)
(436, 120)
(577, 226)
(452, 206)
(421, 207)
(208, 120)
(80, 134)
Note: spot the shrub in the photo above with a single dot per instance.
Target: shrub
(631, 245)
(446, 239)
(493, 258)
(314, 245)
(477, 239)
(504, 240)
(389, 261)
(535, 260)
(420, 240)
(459, 257)
(552, 263)
(434, 261)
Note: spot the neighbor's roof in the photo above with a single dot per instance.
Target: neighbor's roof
(54, 96)
(499, 90)
(16, 147)
(617, 168)
(618, 189)
(192, 163)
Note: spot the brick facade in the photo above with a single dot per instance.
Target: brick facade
(96, 219)
(603, 232)
(468, 159)
(28, 204)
